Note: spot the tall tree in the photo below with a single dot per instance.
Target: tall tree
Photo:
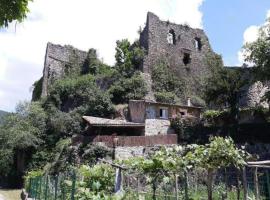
(224, 88)
(11, 10)
(20, 133)
(258, 53)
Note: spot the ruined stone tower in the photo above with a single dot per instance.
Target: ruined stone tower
(58, 61)
(184, 49)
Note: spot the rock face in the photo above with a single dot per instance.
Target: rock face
(184, 50)
(59, 60)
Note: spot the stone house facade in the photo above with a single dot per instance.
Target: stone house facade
(146, 118)
(156, 116)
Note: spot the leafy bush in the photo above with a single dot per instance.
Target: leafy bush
(91, 153)
(80, 93)
(128, 88)
(165, 97)
(166, 85)
(98, 178)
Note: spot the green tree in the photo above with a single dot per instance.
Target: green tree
(219, 153)
(20, 134)
(224, 88)
(258, 52)
(80, 94)
(128, 57)
(11, 10)
(128, 88)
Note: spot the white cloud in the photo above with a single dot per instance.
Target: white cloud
(250, 35)
(82, 23)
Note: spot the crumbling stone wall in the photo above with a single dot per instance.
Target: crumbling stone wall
(58, 60)
(253, 95)
(185, 41)
(123, 153)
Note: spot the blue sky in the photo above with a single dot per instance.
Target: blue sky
(99, 23)
(225, 21)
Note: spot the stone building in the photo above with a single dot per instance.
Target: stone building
(146, 119)
(185, 50)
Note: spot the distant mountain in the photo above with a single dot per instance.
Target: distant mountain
(2, 114)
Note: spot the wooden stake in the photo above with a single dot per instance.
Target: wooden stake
(245, 183)
(176, 186)
(256, 184)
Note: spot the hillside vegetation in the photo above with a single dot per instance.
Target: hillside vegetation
(39, 133)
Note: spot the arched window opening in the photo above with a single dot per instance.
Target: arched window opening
(198, 44)
(171, 37)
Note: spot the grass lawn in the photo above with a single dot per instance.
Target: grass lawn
(11, 194)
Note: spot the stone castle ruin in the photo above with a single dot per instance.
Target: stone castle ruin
(184, 50)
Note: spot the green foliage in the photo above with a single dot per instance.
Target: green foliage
(184, 127)
(37, 90)
(224, 87)
(166, 85)
(128, 57)
(165, 97)
(128, 88)
(219, 153)
(80, 93)
(91, 153)
(21, 133)
(11, 10)
(257, 52)
(99, 178)
(2, 115)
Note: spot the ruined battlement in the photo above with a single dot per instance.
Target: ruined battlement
(166, 40)
(58, 61)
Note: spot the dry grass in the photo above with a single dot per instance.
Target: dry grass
(11, 194)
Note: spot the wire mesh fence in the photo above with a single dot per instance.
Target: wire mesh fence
(227, 184)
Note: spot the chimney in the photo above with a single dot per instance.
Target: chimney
(188, 101)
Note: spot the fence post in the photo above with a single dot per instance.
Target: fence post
(40, 188)
(245, 183)
(30, 187)
(238, 184)
(268, 183)
(73, 185)
(55, 187)
(138, 186)
(186, 186)
(256, 184)
(118, 180)
(176, 186)
(46, 186)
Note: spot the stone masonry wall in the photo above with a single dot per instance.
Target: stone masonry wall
(154, 39)
(157, 127)
(57, 60)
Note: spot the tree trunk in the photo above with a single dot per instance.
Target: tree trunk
(209, 184)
